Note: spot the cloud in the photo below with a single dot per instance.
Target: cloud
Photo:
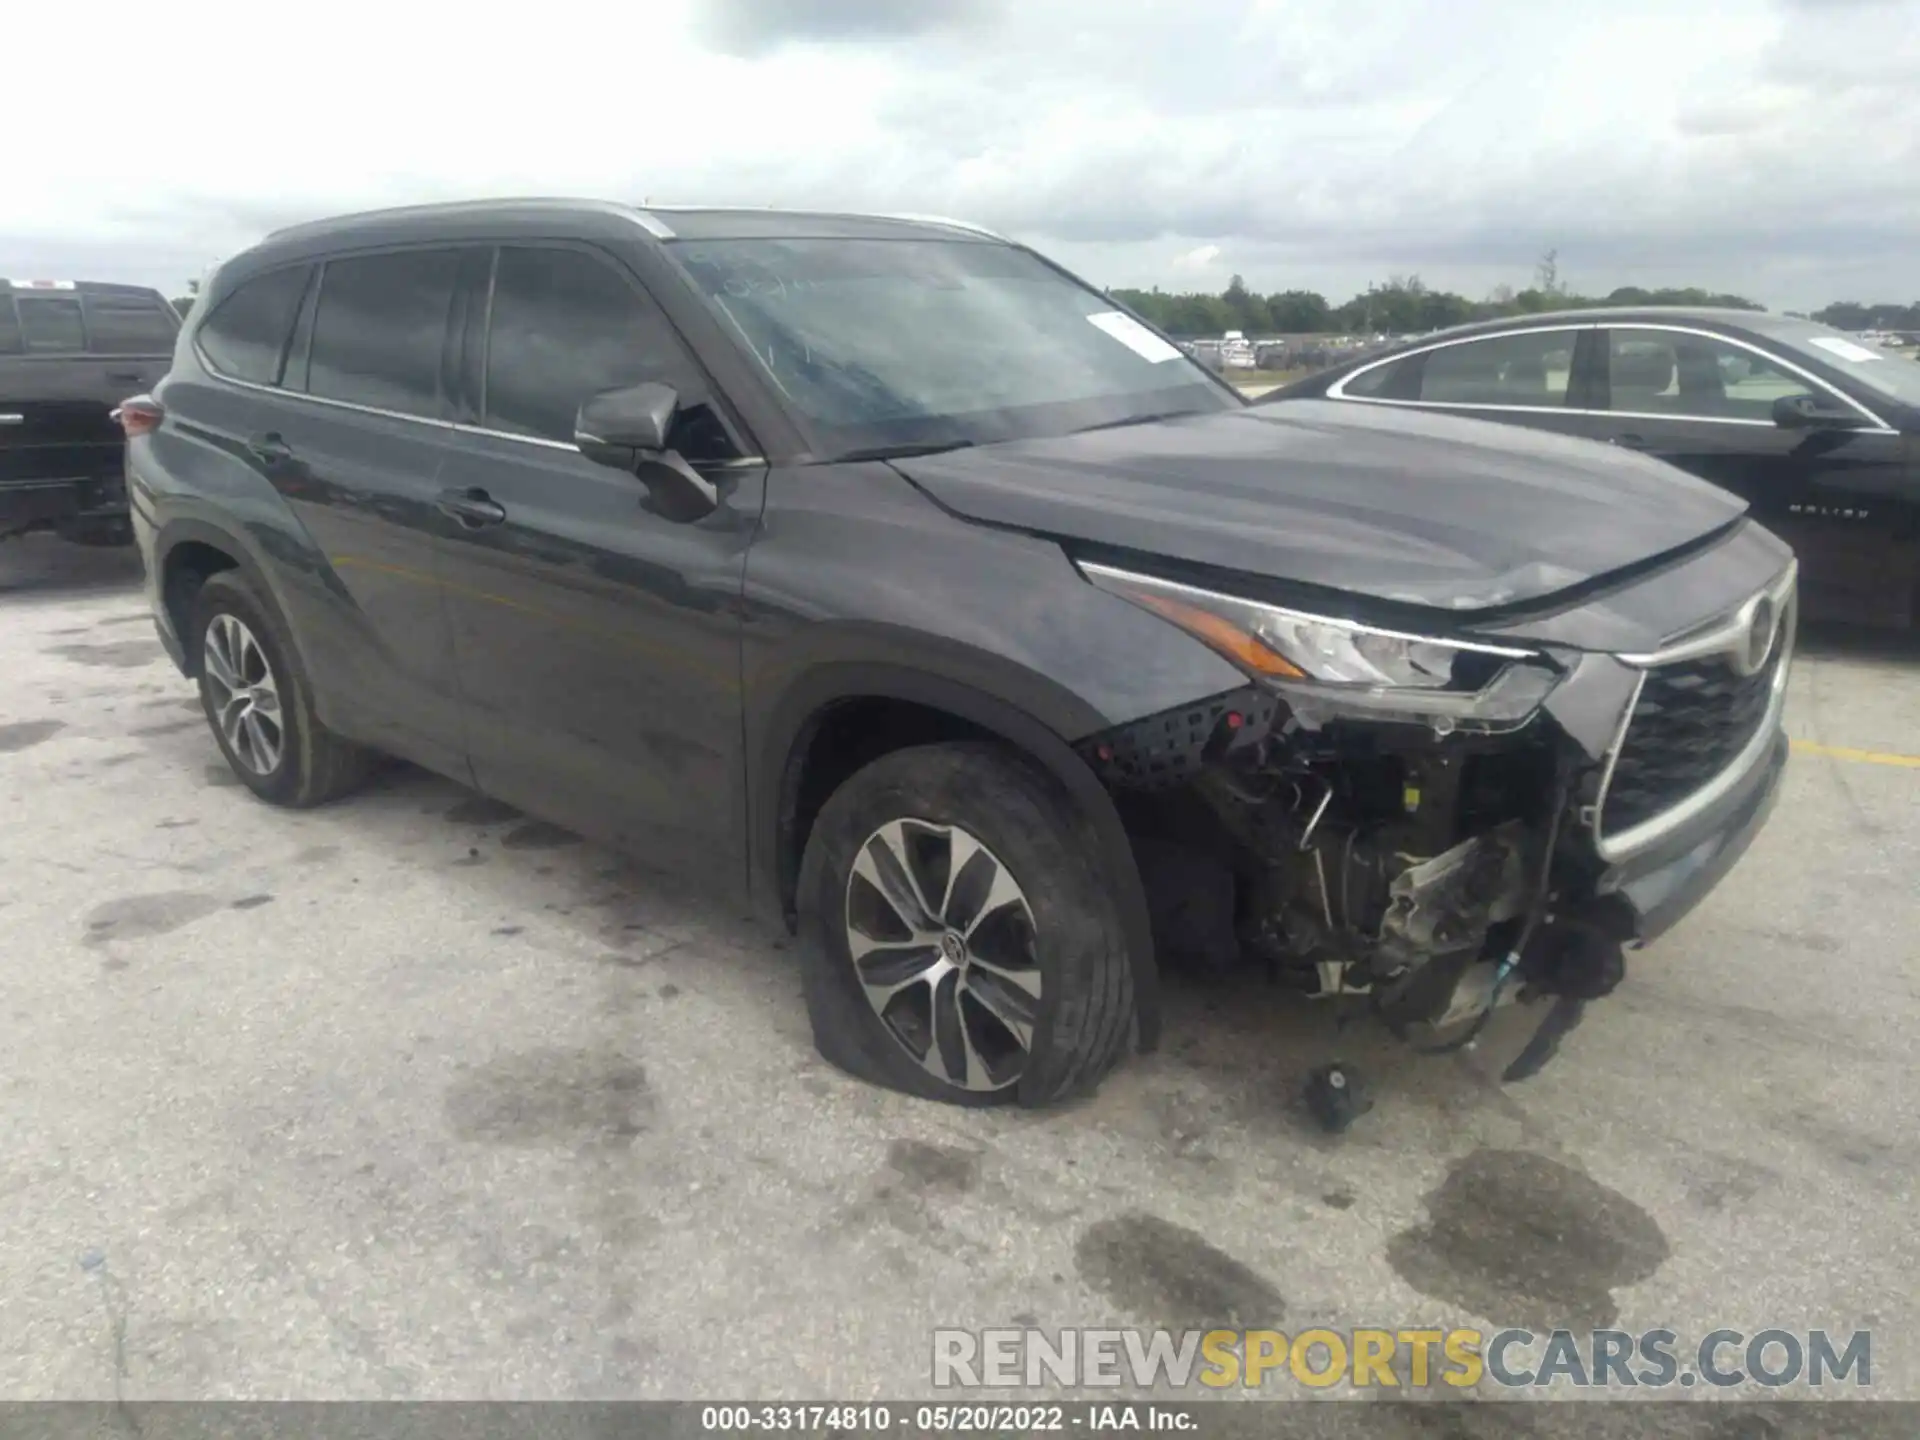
(755, 27)
(1201, 257)
(1766, 146)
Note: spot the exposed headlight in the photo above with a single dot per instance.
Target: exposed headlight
(1361, 667)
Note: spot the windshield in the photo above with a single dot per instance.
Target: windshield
(1885, 372)
(888, 345)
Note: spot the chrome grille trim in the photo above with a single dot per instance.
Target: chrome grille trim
(1725, 637)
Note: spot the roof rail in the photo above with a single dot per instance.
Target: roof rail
(952, 224)
(652, 223)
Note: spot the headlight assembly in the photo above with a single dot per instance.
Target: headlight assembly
(1345, 665)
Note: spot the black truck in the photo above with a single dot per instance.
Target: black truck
(70, 352)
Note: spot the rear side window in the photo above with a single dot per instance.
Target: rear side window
(380, 329)
(50, 325)
(246, 335)
(1531, 368)
(565, 327)
(9, 327)
(128, 325)
(1382, 382)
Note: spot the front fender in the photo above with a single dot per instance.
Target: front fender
(786, 724)
(860, 586)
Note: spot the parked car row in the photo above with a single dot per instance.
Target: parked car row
(1316, 352)
(69, 352)
(1003, 671)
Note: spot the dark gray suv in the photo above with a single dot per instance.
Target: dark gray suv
(880, 569)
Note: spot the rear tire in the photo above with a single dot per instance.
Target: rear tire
(1012, 982)
(259, 704)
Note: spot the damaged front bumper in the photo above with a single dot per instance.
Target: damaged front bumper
(1426, 865)
(1661, 885)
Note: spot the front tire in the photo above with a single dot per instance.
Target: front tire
(958, 939)
(259, 704)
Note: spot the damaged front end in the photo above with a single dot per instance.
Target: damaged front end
(1389, 820)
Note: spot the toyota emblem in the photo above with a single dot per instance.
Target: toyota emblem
(1760, 637)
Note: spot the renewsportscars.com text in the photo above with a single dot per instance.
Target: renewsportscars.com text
(1006, 1359)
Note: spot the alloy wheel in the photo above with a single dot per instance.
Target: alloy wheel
(943, 945)
(245, 694)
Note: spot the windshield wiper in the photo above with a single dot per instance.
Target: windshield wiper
(902, 452)
(1134, 420)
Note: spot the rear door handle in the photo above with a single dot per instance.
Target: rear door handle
(472, 507)
(134, 375)
(270, 449)
(1632, 442)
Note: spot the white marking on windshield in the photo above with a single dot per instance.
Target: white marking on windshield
(1135, 336)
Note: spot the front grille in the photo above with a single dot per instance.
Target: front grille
(1691, 722)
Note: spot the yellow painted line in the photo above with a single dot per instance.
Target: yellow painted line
(1863, 757)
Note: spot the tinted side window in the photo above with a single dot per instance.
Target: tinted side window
(566, 326)
(380, 328)
(1383, 382)
(123, 325)
(1658, 372)
(50, 326)
(1525, 369)
(9, 327)
(246, 334)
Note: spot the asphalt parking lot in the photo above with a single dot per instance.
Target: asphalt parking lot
(410, 1097)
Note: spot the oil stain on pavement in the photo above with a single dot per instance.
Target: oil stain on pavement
(170, 727)
(538, 835)
(927, 1167)
(116, 654)
(1524, 1240)
(140, 917)
(1173, 1276)
(479, 810)
(25, 734)
(562, 1098)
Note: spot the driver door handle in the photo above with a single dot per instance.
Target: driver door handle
(472, 507)
(1631, 442)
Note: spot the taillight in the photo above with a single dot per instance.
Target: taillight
(139, 416)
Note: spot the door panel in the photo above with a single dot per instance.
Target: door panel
(363, 488)
(1705, 404)
(598, 643)
(599, 650)
(358, 459)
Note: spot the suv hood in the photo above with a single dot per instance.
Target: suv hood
(1396, 505)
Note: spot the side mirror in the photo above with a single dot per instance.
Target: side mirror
(627, 430)
(1813, 412)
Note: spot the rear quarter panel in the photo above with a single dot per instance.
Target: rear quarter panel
(196, 481)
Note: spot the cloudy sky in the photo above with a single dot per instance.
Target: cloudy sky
(1770, 147)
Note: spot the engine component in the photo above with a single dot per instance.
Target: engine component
(1448, 902)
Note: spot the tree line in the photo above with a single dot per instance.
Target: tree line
(1403, 305)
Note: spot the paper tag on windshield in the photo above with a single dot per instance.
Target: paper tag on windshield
(1845, 349)
(1135, 336)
